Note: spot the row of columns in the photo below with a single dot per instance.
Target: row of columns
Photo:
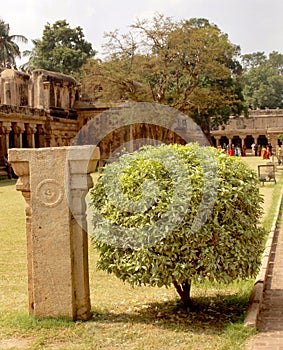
(272, 138)
(12, 136)
(18, 129)
(30, 135)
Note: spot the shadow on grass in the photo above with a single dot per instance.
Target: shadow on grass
(206, 315)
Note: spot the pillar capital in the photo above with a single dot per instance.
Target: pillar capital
(31, 128)
(19, 128)
(7, 127)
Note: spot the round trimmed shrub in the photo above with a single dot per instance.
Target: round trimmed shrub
(177, 214)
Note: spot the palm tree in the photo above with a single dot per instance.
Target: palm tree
(9, 50)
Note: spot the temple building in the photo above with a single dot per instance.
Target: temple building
(44, 109)
(262, 127)
(38, 109)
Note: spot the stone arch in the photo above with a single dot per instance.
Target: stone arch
(131, 138)
(224, 141)
(262, 140)
(137, 124)
(249, 140)
(236, 140)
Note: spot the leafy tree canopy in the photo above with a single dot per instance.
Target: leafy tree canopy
(61, 49)
(263, 80)
(178, 214)
(9, 50)
(189, 64)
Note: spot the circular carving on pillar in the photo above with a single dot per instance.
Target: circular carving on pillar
(49, 193)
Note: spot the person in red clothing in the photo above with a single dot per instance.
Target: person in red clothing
(230, 150)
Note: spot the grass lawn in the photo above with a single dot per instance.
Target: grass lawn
(124, 318)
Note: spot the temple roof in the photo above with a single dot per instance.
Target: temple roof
(54, 76)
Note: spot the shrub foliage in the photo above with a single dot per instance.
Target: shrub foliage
(177, 214)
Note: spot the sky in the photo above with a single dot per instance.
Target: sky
(254, 25)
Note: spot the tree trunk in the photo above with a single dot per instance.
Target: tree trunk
(184, 290)
(209, 137)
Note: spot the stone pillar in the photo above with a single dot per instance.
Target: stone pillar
(255, 136)
(65, 96)
(54, 182)
(23, 185)
(31, 130)
(217, 138)
(19, 129)
(46, 94)
(272, 139)
(40, 136)
(7, 128)
(2, 143)
(81, 162)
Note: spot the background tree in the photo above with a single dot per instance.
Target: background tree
(160, 235)
(253, 60)
(263, 80)
(61, 49)
(92, 82)
(9, 50)
(189, 65)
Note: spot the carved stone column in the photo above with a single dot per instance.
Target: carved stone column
(54, 182)
(23, 184)
(19, 129)
(46, 94)
(40, 136)
(255, 137)
(7, 128)
(81, 162)
(31, 130)
(217, 138)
